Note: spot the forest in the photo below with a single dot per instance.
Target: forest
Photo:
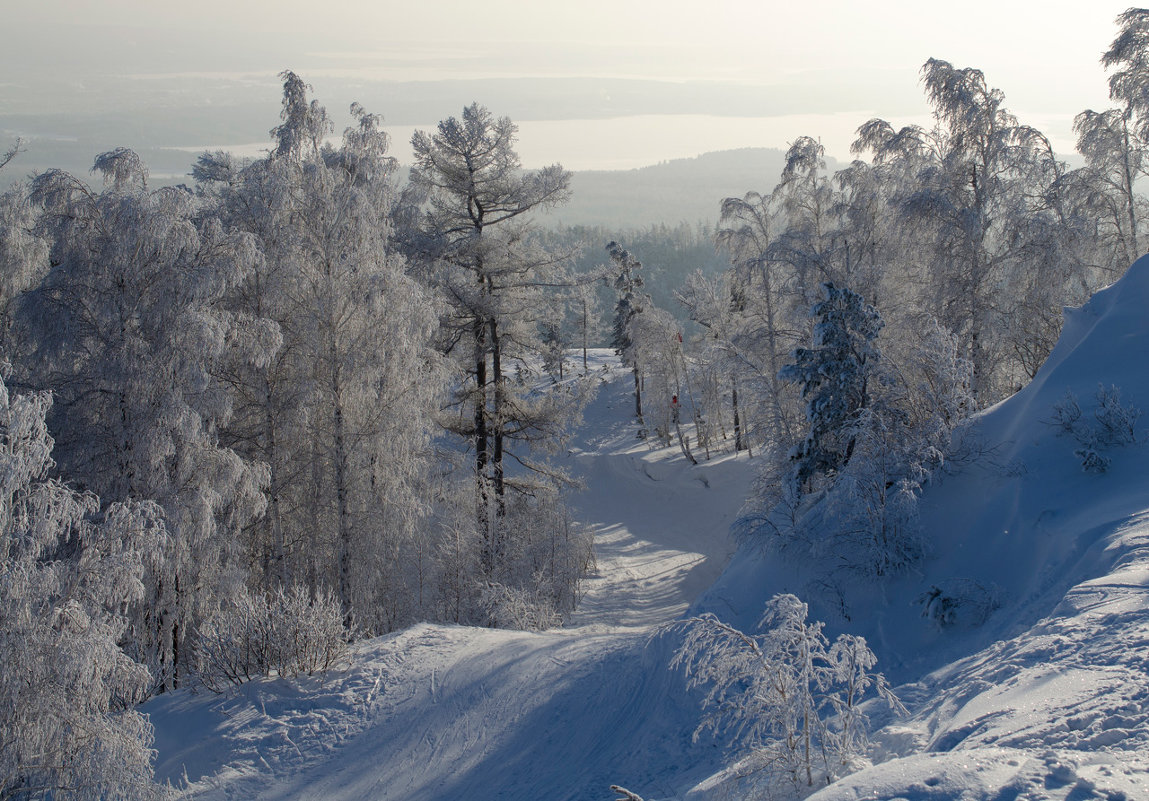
(298, 402)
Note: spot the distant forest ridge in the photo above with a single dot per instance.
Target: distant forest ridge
(686, 190)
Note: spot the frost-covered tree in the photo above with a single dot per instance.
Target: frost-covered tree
(23, 259)
(336, 398)
(835, 375)
(69, 727)
(472, 242)
(844, 503)
(804, 198)
(124, 329)
(655, 344)
(865, 250)
(1113, 143)
(586, 314)
(1104, 190)
(973, 189)
(554, 350)
(788, 695)
(546, 562)
(716, 363)
(1128, 57)
(10, 153)
(630, 303)
(766, 307)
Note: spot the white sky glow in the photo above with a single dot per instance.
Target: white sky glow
(1045, 57)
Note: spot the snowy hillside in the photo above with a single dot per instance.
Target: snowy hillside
(1021, 646)
(1035, 685)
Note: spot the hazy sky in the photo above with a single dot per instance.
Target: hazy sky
(81, 76)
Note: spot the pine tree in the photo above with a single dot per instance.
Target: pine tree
(630, 303)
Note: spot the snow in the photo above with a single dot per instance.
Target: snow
(1048, 697)
(1038, 689)
(448, 712)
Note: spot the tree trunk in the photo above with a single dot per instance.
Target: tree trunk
(497, 414)
(273, 521)
(341, 500)
(585, 333)
(737, 416)
(637, 394)
(482, 457)
(1130, 195)
(176, 658)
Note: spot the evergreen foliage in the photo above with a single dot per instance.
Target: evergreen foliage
(835, 376)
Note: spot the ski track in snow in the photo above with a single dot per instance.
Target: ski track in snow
(450, 712)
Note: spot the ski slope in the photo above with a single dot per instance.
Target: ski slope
(1036, 688)
(451, 712)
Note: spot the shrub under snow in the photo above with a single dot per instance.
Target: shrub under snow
(287, 633)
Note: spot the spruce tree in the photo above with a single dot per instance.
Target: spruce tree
(834, 374)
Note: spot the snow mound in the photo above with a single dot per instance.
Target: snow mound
(442, 712)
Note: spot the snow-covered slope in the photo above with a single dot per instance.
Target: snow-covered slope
(1038, 688)
(450, 712)
(1035, 688)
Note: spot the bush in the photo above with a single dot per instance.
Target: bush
(519, 608)
(789, 694)
(1114, 424)
(287, 634)
(958, 603)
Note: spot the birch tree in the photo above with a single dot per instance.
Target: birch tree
(788, 694)
(68, 723)
(123, 329)
(338, 401)
(976, 195)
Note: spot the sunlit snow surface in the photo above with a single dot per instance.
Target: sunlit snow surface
(450, 712)
(1047, 698)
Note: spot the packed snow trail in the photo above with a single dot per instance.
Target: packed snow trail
(661, 526)
(438, 713)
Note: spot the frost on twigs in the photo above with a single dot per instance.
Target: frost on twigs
(958, 602)
(844, 502)
(1114, 424)
(788, 695)
(624, 794)
(287, 633)
(68, 723)
(519, 608)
